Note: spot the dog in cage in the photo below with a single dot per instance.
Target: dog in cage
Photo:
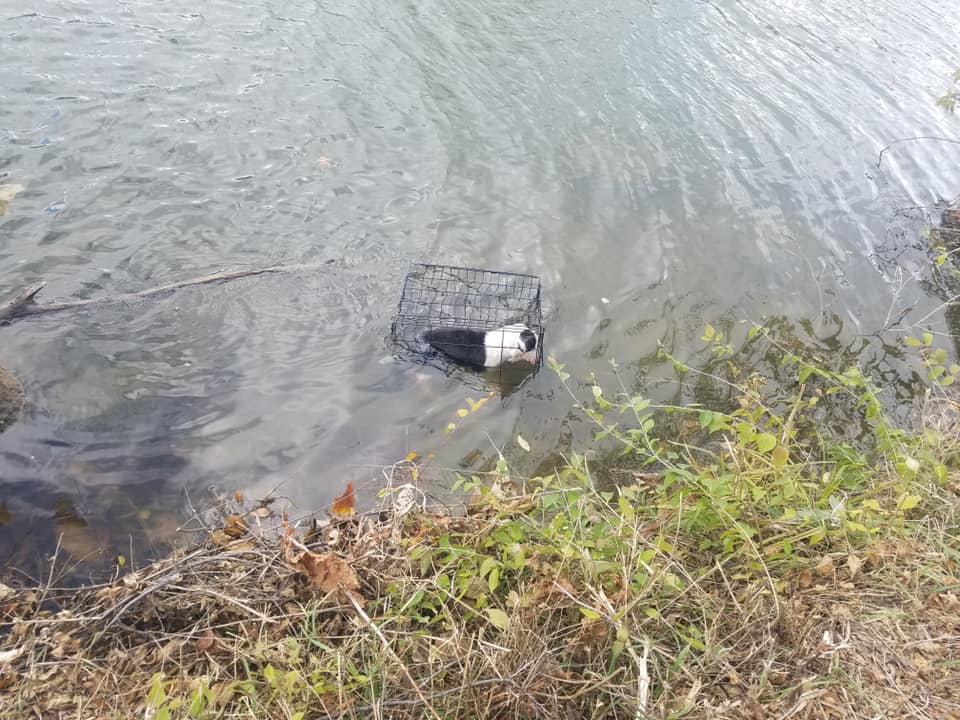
(485, 349)
(479, 319)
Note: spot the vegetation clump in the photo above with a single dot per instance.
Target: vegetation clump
(743, 560)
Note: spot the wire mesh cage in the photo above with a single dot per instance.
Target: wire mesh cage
(463, 320)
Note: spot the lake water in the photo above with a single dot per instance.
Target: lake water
(659, 165)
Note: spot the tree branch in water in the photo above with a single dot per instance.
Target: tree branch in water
(24, 304)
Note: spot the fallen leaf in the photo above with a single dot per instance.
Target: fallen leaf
(219, 537)
(6, 592)
(805, 579)
(328, 572)
(10, 655)
(346, 504)
(406, 499)
(853, 565)
(205, 642)
(235, 527)
(238, 496)
(262, 512)
(825, 566)
(241, 545)
(498, 617)
(523, 443)
(7, 194)
(410, 456)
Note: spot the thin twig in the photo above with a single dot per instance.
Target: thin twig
(24, 304)
(918, 137)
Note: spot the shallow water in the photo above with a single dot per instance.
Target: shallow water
(658, 165)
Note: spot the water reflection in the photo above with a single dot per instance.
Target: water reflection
(659, 166)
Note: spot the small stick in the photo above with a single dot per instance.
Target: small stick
(24, 304)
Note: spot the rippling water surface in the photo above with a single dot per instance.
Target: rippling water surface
(684, 161)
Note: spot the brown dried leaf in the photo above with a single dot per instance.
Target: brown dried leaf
(219, 537)
(328, 572)
(346, 504)
(205, 642)
(262, 512)
(235, 526)
(59, 702)
(10, 655)
(238, 496)
(825, 566)
(853, 565)
(477, 503)
(7, 193)
(222, 693)
(805, 579)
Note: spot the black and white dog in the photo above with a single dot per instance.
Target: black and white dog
(485, 348)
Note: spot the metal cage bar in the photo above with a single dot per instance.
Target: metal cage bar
(447, 296)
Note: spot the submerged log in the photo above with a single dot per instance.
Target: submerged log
(24, 304)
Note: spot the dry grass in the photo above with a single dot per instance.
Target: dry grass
(240, 631)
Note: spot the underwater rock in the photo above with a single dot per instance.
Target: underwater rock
(11, 399)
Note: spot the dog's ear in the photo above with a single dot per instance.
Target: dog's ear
(528, 339)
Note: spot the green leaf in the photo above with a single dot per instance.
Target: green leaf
(706, 417)
(558, 368)
(523, 443)
(197, 705)
(709, 333)
(498, 617)
(638, 403)
(939, 356)
(909, 502)
(590, 613)
(487, 565)
(719, 422)
(912, 341)
(493, 581)
(766, 442)
(462, 412)
(156, 696)
(780, 456)
(928, 339)
(270, 674)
